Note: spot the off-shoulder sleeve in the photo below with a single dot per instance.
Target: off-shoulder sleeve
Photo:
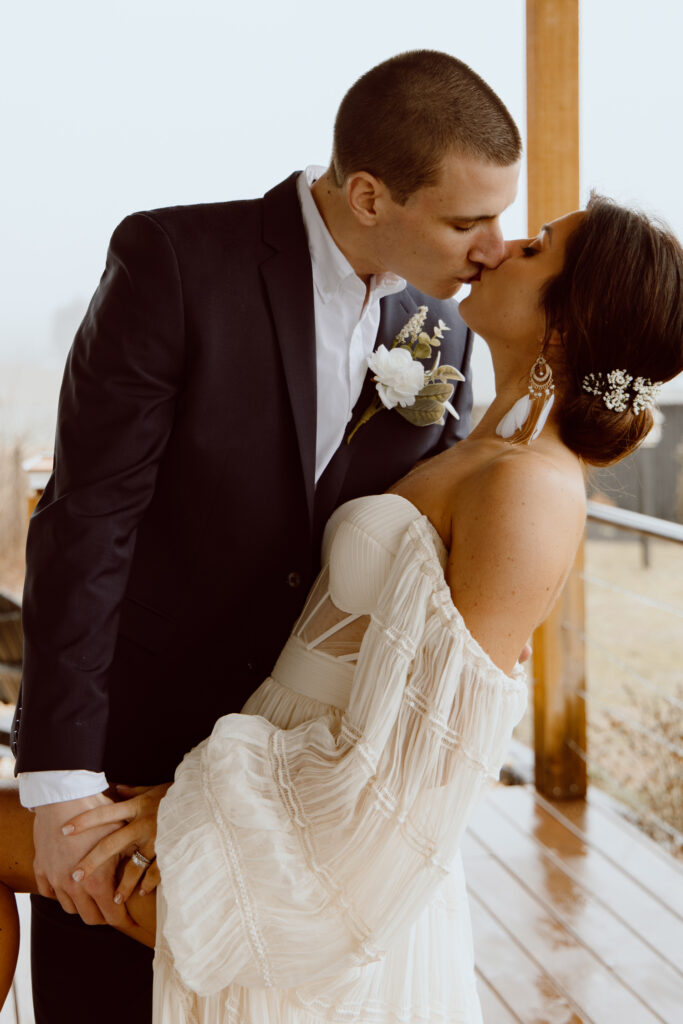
(290, 855)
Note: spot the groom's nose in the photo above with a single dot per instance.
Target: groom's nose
(488, 248)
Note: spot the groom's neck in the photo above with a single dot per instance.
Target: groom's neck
(340, 222)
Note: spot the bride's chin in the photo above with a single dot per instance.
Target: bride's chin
(464, 308)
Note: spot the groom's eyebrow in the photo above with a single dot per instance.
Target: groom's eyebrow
(471, 220)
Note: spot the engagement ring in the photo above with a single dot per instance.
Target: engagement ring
(140, 860)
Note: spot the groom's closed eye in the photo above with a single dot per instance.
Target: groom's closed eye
(465, 224)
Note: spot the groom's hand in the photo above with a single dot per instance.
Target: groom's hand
(57, 855)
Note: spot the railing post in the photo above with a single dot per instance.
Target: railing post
(552, 32)
(559, 673)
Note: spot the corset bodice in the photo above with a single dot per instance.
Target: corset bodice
(360, 544)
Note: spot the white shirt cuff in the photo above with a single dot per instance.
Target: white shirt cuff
(38, 788)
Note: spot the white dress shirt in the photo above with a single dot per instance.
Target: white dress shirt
(347, 317)
(346, 322)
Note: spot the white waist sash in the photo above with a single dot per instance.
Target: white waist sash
(314, 674)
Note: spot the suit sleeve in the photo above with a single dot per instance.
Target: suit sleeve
(116, 411)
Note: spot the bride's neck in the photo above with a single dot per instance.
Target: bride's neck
(511, 385)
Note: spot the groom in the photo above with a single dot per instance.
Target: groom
(201, 446)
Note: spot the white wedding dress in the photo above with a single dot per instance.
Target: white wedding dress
(309, 847)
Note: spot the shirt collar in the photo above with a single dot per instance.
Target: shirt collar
(331, 269)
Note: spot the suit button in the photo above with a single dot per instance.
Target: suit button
(294, 579)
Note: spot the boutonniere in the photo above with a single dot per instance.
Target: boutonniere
(421, 396)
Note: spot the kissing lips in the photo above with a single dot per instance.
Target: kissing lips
(469, 280)
(472, 279)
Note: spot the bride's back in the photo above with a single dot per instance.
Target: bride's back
(511, 518)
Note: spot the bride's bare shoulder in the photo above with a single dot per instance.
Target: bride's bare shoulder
(520, 480)
(554, 468)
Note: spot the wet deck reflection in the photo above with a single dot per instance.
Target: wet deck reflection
(577, 917)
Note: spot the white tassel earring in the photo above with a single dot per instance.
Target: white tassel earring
(525, 420)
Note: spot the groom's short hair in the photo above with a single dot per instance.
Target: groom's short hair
(398, 121)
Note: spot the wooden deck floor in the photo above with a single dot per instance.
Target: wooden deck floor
(577, 916)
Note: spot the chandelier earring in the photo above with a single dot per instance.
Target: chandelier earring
(525, 420)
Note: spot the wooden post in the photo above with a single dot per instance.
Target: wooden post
(559, 673)
(552, 32)
(552, 68)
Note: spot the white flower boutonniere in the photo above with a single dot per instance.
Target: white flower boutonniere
(421, 396)
(398, 376)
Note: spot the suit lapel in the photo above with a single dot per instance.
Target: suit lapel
(395, 311)
(288, 282)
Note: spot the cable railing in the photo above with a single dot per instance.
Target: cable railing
(623, 666)
(608, 676)
(652, 602)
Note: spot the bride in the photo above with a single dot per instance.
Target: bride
(308, 849)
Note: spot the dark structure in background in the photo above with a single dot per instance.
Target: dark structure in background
(650, 480)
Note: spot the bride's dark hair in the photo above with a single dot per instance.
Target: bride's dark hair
(618, 305)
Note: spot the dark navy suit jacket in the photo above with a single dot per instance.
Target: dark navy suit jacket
(180, 532)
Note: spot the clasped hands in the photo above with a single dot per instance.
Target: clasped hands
(83, 851)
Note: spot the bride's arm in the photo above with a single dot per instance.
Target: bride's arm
(517, 530)
(16, 875)
(16, 841)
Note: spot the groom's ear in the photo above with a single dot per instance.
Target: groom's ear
(363, 192)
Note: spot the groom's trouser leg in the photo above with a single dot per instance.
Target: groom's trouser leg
(85, 973)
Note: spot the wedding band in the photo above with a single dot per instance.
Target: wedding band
(140, 860)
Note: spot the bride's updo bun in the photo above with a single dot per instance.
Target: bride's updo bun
(618, 305)
(600, 435)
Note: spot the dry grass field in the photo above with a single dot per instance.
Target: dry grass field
(635, 676)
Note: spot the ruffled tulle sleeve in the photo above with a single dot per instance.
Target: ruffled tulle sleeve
(290, 855)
